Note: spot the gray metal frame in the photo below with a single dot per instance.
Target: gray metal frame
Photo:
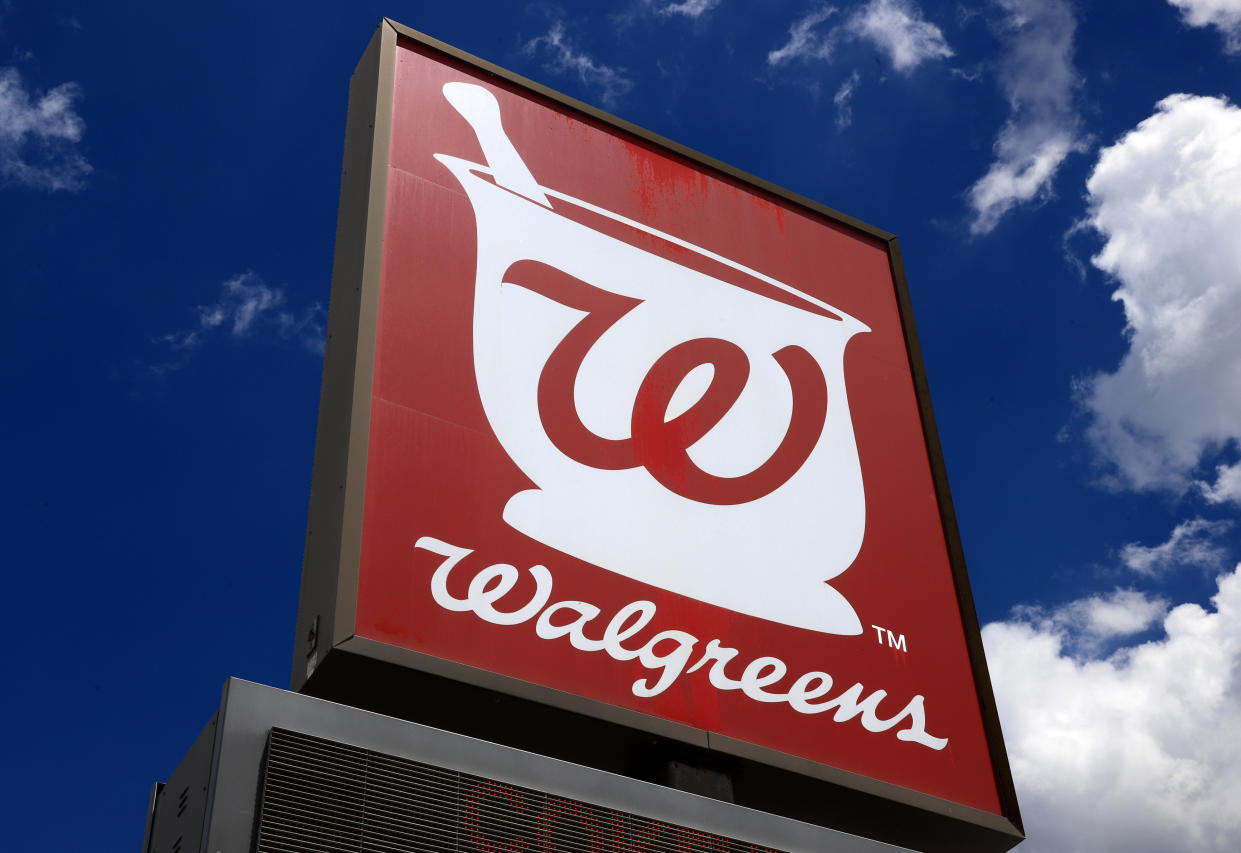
(334, 526)
(326, 626)
(249, 711)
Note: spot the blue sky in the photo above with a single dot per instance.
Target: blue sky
(1065, 178)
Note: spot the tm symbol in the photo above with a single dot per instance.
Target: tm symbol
(889, 639)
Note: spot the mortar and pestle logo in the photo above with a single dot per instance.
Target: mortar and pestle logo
(680, 429)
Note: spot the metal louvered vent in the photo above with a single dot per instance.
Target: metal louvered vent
(320, 796)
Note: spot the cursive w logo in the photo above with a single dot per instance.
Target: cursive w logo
(662, 445)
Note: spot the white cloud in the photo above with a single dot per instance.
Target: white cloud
(1137, 752)
(1166, 199)
(895, 27)
(39, 136)
(688, 8)
(804, 42)
(898, 29)
(1227, 485)
(1122, 614)
(842, 98)
(1039, 80)
(563, 58)
(1222, 14)
(1089, 624)
(1192, 543)
(247, 307)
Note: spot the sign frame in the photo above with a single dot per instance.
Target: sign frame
(332, 661)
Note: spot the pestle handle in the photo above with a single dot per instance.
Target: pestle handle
(480, 108)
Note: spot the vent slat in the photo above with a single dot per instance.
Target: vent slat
(320, 796)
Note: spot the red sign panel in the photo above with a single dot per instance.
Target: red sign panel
(645, 433)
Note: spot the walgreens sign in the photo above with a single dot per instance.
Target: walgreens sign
(622, 424)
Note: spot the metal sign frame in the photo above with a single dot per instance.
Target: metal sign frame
(214, 800)
(330, 658)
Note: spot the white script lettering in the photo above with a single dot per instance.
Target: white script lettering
(667, 653)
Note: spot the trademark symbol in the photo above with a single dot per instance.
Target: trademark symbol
(886, 638)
